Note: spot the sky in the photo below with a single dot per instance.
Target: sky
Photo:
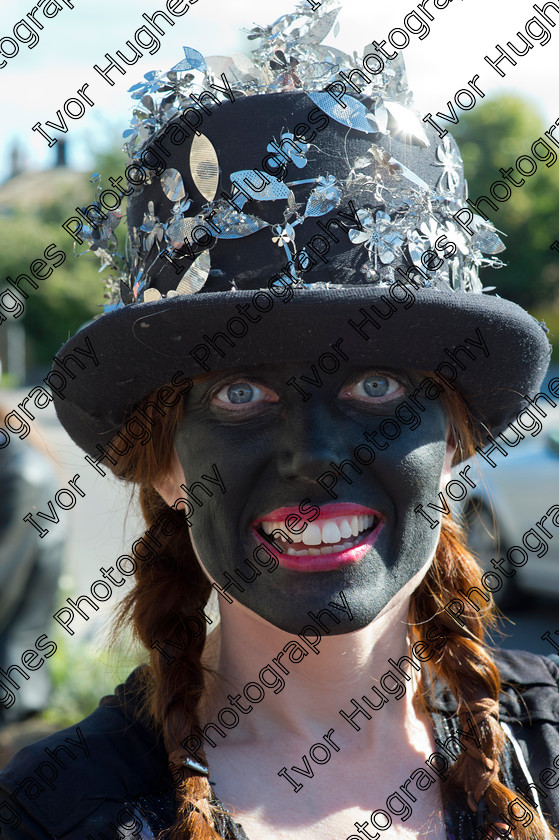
(36, 82)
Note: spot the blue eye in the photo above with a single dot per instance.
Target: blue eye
(240, 392)
(376, 386)
(237, 395)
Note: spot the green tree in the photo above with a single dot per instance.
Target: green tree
(492, 137)
(33, 207)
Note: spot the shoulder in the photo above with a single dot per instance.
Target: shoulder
(99, 766)
(530, 686)
(529, 705)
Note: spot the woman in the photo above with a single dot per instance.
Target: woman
(289, 444)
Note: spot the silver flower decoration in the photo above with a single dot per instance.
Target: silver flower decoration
(284, 236)
(449, 159)
(290, 148)
(152, 227)
(370, 273)
(151, 85)
(379, 235)
(457, 236)
(470, 279)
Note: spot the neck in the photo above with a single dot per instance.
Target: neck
(304, 698)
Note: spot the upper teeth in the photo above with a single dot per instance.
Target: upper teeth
(327, 531)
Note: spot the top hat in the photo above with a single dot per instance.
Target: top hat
(278, 205)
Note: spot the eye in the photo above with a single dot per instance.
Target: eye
(237, 395)
(240, 392)
(374, 387)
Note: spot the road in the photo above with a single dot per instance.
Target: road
(102, 525)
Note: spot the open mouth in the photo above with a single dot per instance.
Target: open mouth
(343, 533)
(326, 536)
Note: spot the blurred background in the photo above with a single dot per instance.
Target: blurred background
(40, 187)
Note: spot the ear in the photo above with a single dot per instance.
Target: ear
(169, 486)
(449, 455)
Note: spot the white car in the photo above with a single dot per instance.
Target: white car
(504, 508)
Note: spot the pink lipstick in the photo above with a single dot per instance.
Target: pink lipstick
(342, 534)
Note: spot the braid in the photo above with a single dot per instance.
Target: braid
(159, 607)
(465, 664)
(166, 593)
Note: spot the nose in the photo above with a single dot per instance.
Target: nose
(311, 436)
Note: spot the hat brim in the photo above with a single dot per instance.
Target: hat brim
(504, 351)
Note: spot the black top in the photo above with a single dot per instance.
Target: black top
(108, 777)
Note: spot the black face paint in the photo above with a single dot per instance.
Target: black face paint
(271, 446)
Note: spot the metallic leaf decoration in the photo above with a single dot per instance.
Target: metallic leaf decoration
(259, 185)
(125, 292)
(180, 231)
(323, 198)
(408, 123)
(196, 275)
(238, 68)
(321, 26)
(111, 307)
(172, 185)
(354, 115)
(289, 149)
(362, 162)
(140, 284)
(193, 60)
(407, 173)
(381, 116)
(204, 166)
(488, 241)
(234, 225)
(151, 295)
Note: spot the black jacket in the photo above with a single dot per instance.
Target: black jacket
(108, 778)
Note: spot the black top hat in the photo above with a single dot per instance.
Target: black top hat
(284, 205)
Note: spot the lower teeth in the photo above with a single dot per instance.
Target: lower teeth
(329, 549)
(313, 551)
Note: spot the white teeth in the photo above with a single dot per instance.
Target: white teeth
(330, 533)
(336, 532)
(312, 535)
(345, 529)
